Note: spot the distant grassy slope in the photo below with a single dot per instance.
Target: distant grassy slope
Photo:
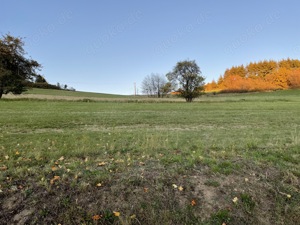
(45, 94)
(38, 91)
(283, 95)
(274, 95)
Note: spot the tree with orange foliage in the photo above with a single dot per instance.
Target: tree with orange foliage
(260, 76)
(293, 79)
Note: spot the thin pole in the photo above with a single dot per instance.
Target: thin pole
(134, 89)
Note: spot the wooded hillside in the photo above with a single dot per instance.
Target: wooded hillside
(259, 76)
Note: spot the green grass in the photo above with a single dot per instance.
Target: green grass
(38, 91)
(218, 148)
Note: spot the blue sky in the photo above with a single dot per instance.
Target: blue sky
(106, 46)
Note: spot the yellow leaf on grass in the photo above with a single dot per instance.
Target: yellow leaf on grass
(3, 168)
(99, 185)
(174, 186)
(117, 214)
(96, 217)
(54, 168)
(61, 158)
(17, 153)
(55, 178)
(193, 202)
(6, 157)
(235, 200)
(133, 216)
(102, 164)
(180, 188)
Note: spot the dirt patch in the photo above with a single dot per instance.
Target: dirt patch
(22, 217)
(11, 202)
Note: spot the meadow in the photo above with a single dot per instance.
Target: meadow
(97, 159)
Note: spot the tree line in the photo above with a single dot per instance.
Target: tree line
(259, 76)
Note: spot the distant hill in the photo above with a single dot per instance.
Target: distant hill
(39, 91)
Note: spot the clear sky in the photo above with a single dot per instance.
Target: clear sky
(107, 45)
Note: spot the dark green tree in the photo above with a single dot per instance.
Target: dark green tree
(166, 89)
(15, 68)
(40, 79)
(187, 76)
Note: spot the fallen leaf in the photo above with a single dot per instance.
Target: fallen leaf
(193, 202)
(6, 157)
(180, 188)
(61, 158)
(17, 153)
(99, 185)
(120, 161)
(117, 214)
(3, 168)
(246, 179)
(102, 164)
(133, 216)
(55, 178)
(145, 190)
(174, 186)
(54, 168)
(288, 196)
(235, 200)
(96, 217)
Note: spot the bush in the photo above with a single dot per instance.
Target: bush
(42, 85)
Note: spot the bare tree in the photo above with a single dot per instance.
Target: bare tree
(153, 85)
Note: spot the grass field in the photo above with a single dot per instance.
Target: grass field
(224, 159)
(37, 91)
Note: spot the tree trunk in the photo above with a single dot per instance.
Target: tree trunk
(1, 89)
(188, 99)
(1, 92)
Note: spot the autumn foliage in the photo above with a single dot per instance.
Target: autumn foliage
(260, 76)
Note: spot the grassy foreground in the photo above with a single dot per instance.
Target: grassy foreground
(228, 159)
